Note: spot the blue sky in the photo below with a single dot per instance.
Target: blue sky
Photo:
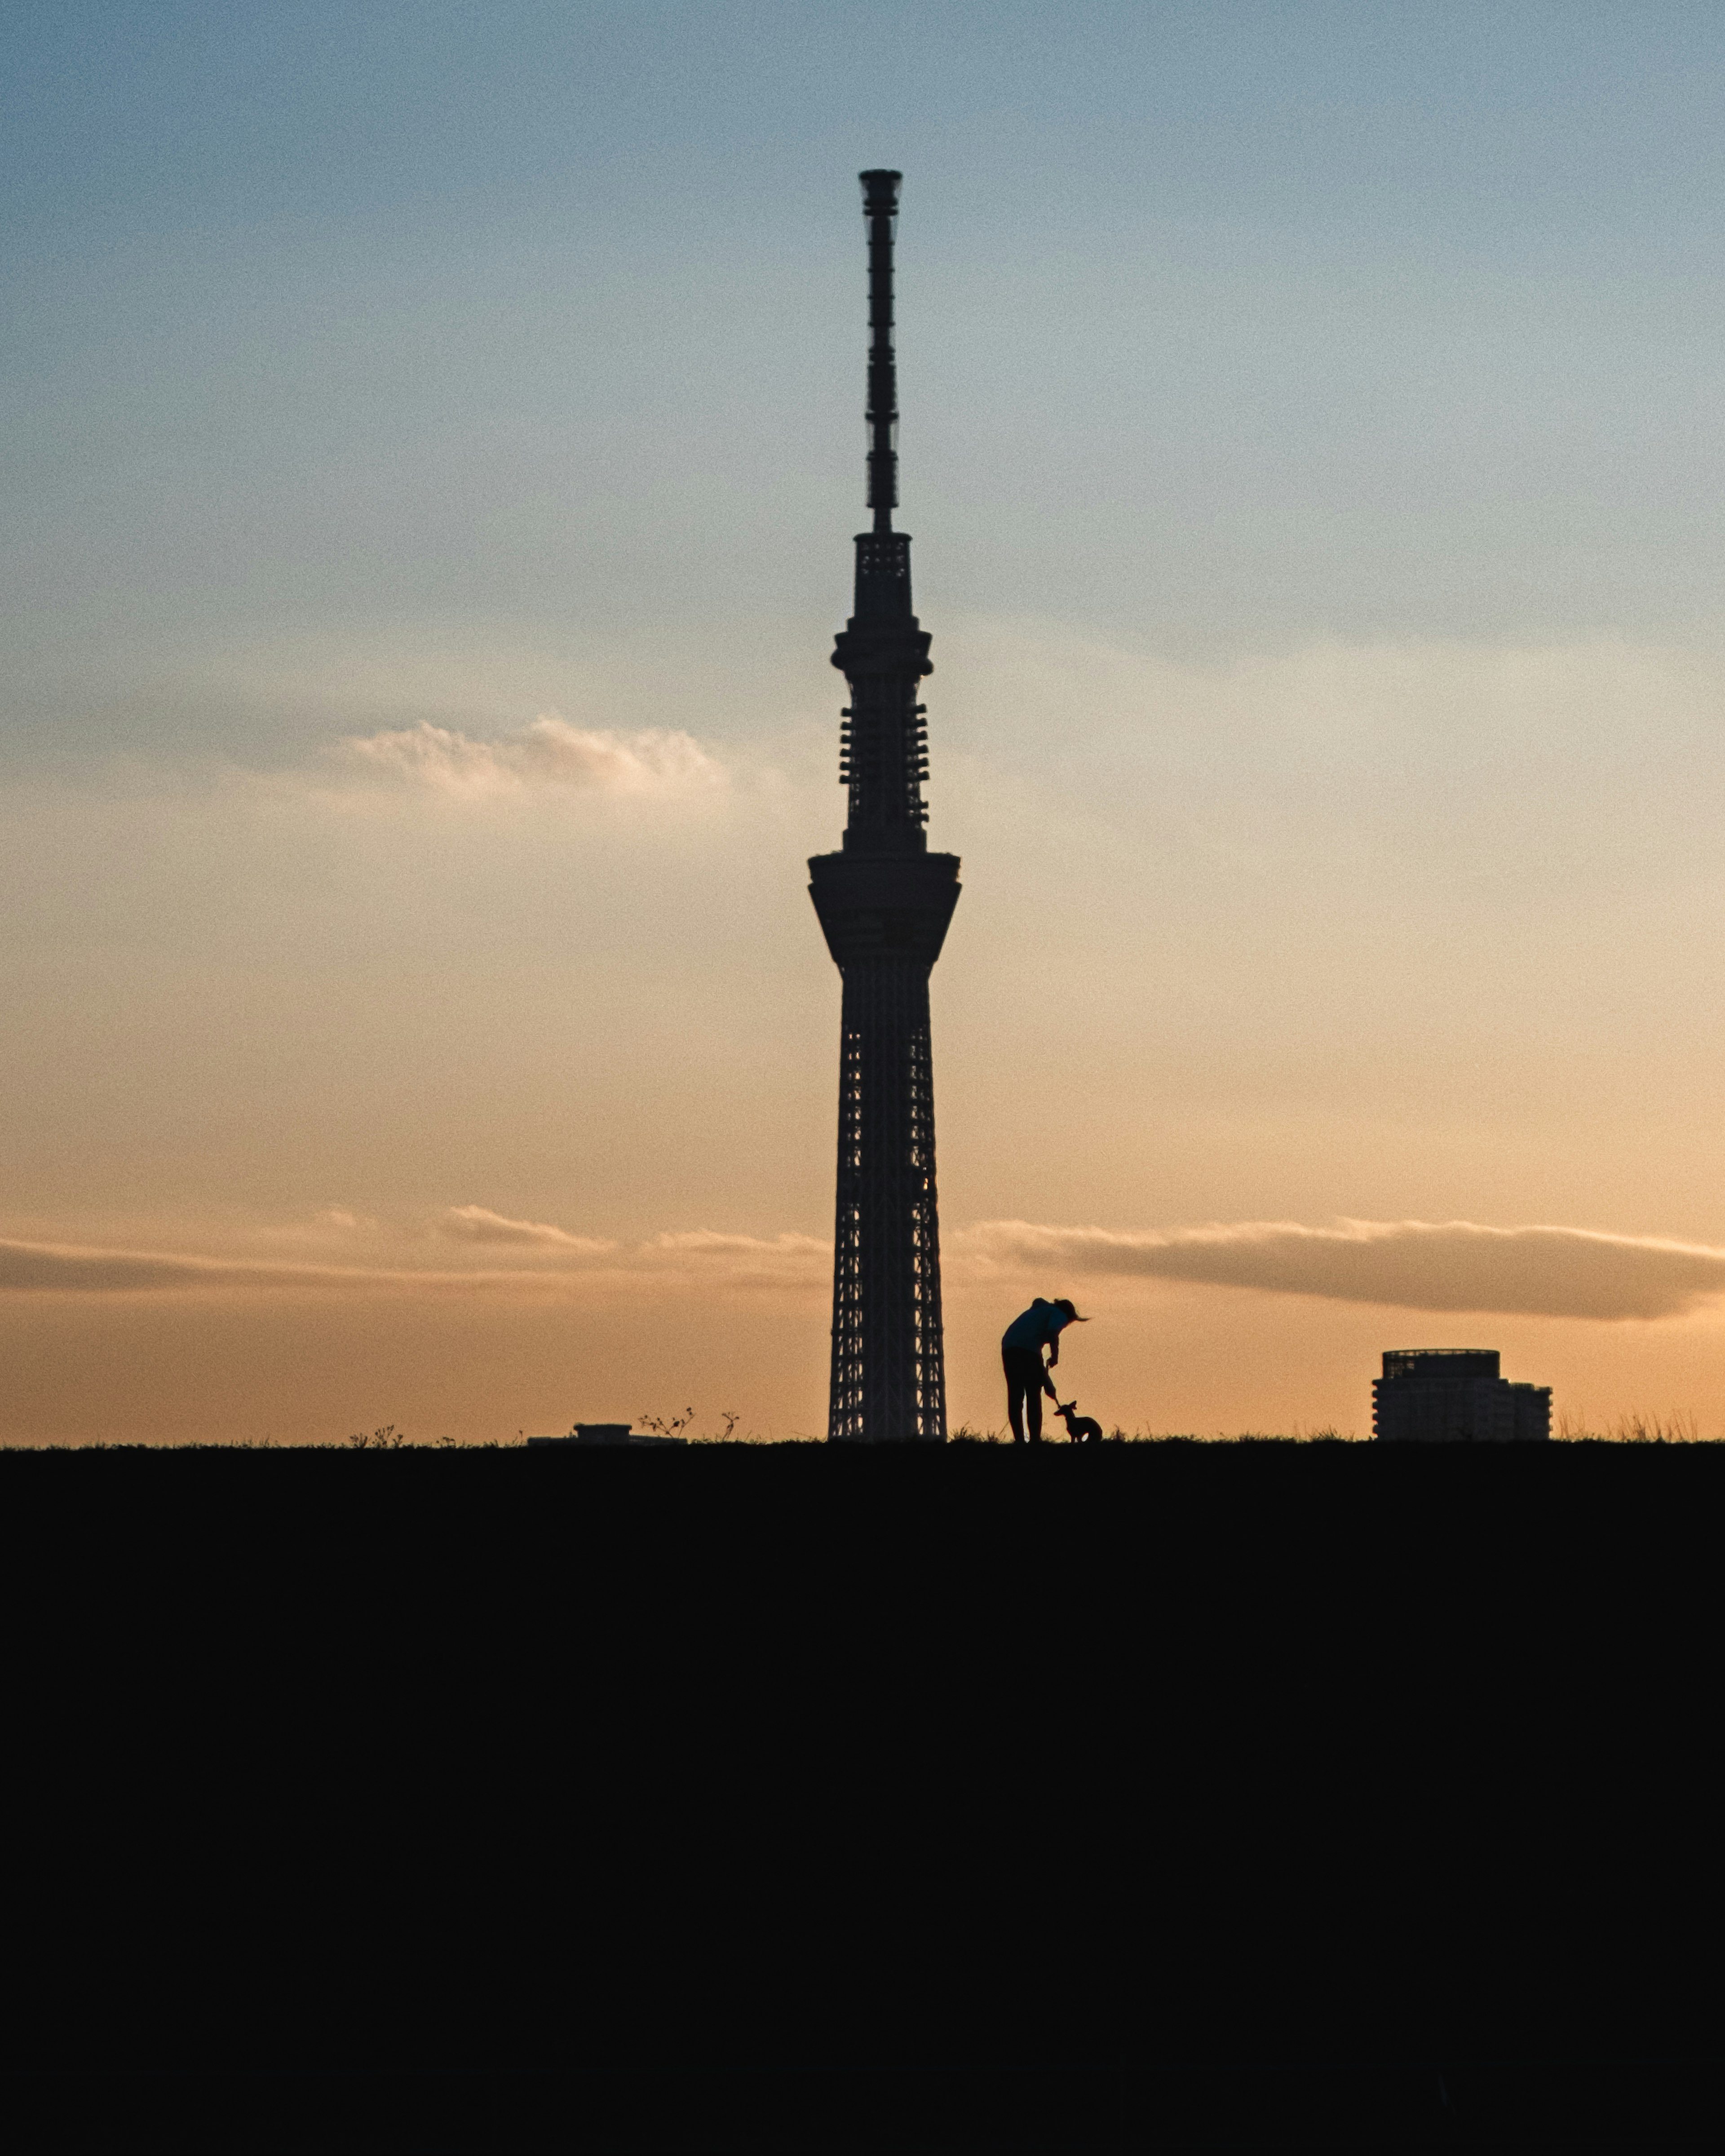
(1223, 326)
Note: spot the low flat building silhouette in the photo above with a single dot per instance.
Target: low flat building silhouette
(607, 1433)
(1454, 1396)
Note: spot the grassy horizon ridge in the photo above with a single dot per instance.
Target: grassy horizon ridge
(1630, 1432)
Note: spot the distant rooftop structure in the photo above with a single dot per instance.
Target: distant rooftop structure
(606, 1433)
(1454, 1396)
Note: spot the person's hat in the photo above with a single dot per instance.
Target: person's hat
(1070, 1309)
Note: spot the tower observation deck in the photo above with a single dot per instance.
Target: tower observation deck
(883, 904)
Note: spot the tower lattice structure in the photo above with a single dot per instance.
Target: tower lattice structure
(885, 902)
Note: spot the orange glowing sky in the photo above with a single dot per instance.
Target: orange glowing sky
(422, 560)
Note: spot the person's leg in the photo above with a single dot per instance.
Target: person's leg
(1014, 1395)
(1033, 1403)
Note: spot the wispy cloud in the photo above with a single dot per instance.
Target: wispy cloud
(784, 1260)
(1410, 1264)
(543, 1258)
(474, 1224)
(37, 1266)
(1413, 1264)
(58, 1268)
(549, 754)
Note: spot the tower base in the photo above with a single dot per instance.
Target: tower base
(889, 1374)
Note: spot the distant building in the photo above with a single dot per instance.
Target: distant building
(1454, 1395)
(605, 1433)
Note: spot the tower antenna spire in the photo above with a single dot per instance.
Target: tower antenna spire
(884, 903)
(880, 209)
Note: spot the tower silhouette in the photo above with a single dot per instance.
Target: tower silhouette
(883, 904)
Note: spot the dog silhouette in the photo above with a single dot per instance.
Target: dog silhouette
(1082, 1430)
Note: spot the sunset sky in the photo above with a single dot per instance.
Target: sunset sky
(435, 439)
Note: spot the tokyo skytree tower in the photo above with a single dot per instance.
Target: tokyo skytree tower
(884, 903)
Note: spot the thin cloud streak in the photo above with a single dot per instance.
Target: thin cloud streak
(1410, 1264)
(33, 1268)
(475, 1223)
(549, 754)
(786, 1261)
(55, 1268)
(700, 1258)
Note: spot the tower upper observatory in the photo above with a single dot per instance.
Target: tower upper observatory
(884, 903)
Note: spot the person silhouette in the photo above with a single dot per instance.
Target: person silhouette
(1027, 1379)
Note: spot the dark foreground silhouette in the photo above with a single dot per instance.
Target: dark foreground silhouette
(812, 1798)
